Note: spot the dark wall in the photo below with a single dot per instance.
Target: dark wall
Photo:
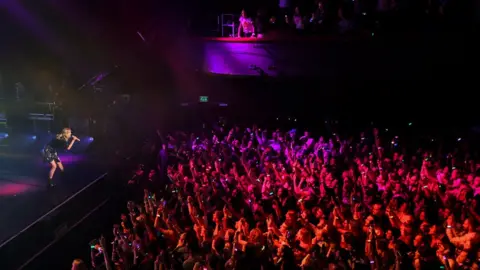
(431, 72)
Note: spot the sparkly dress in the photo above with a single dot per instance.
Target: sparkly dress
(50, 150)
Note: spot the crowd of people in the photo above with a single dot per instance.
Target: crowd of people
(248, 198)
(322, 16)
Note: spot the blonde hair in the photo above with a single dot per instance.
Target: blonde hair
(305, 235)
(256, 236)
(63, 134)
(78, 265)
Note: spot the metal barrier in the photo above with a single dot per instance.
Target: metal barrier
(228, 21)
(29, 243)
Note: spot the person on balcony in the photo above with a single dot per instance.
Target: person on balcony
(246, 26)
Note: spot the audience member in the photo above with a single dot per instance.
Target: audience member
(245, 26)
(344, 16)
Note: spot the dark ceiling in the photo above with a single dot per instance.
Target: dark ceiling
(83, 37)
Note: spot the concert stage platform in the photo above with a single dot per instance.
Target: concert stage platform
(281, 55)
(32, 215)
(367, 56)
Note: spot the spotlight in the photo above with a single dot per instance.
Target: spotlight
(90, 139)
(34, 137)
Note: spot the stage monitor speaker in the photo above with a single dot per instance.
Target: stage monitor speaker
(42, 122)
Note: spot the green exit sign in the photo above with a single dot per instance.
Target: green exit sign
(203, 98)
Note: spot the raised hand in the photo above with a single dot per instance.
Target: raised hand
(103, 242)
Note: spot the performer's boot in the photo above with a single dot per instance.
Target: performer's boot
(50, 183)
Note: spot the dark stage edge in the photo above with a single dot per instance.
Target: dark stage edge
(24, 197)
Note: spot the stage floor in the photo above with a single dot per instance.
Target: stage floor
(24, 197)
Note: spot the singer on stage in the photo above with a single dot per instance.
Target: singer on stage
(64, 140)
